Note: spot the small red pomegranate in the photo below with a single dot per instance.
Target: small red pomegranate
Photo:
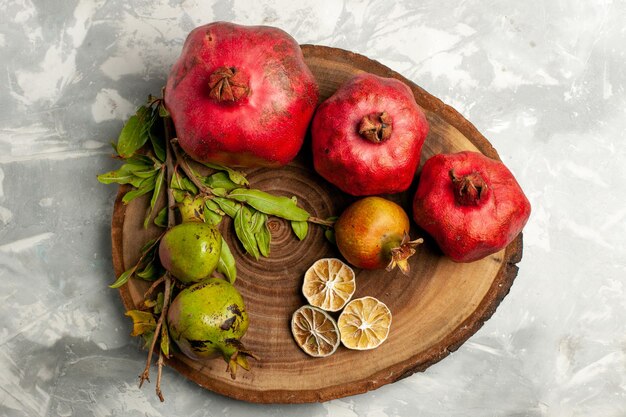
(470, 204)
(241, 95)
(373, 233)
(368, 136)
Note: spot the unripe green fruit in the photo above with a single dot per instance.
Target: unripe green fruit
(207, 319)
(191, 251)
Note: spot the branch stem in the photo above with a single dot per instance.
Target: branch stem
(154, 285)
(321, 222)
(159, 393)
(171, 221)
(169, 163)
(166, 298)
(184, 165)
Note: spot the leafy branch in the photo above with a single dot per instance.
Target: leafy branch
(229, 188)
(154, 164)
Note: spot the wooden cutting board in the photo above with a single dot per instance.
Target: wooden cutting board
(438, 307)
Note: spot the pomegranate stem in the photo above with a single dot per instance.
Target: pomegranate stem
(400, 255)
(228, 84)
(468, 189)
(376, 127)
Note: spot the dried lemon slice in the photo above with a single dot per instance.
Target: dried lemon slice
(315, 331)
(329, 284)
(364, 323)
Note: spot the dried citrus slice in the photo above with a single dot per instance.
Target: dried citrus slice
(315, 331)
(364, 323)
(329, 284)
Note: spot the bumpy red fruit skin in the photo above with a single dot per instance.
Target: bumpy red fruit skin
(354, 164)
(467, 227)
(266, 122)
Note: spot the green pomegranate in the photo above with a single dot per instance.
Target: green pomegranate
(191, 251)
(373, 233)
(207, 320)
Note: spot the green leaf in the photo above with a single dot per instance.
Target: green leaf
(270, 204)
(123, 279)
(244, 233)
(230, 207)
(158, 147)
(143, 166)
(257, 221)
(165, 341)
(237, 177)
(149, 173)
(181, 182)
(147, 339)
(134, 134)
(179, 196)
(143, 322)
(220, 192)
(263, 239)
(214, 207)
(163, 111)
(176, 183)
(148, 273)
(158, 306)
(227, 264)
(155, 304)
(300, 229)
(149, 303)
(123, 175)
(329, 234)
(146, 186)
(220, 180)
(161, 218)
(160, 180)
(140, 162)
(258, 225)
(212, 217)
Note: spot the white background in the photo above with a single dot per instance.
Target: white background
(542, 80)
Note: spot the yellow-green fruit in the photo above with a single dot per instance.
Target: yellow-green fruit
(373, 233)
(191, 251)
(207, 319)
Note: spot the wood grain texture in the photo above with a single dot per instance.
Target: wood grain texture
(434, 310)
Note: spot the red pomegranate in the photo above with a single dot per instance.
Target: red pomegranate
(368, 136)
(241, 95)
(470, 204)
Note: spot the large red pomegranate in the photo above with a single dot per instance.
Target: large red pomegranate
(470, 204)
(368, 136)
(241, 95)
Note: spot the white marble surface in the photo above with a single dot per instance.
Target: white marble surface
(543, 80)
